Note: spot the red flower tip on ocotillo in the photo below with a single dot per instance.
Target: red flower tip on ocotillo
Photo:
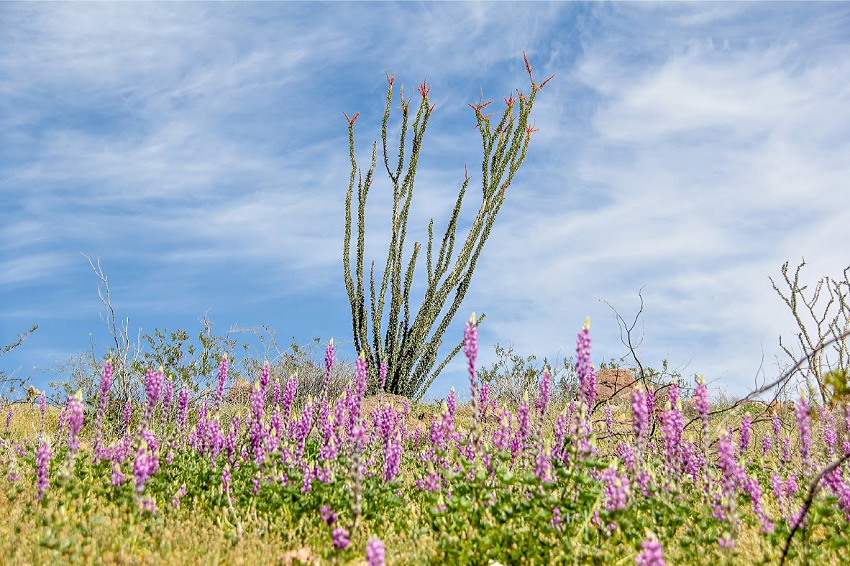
(351, 120)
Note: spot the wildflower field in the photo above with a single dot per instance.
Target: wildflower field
(350, 478)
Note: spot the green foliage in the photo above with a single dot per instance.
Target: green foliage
(410, 341)
(512, 376)
(837, 386)
(189, 364)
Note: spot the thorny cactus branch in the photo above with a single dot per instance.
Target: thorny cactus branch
(409, 342)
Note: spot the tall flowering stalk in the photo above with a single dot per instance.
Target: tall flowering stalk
(182, 410)
(42, 409)
(42, 468)
(651, 553)
(584, 368)
(411, 339)
(74, 422)
(222, 379)
(105, 384)
(153, 390)
(804, 428)
(701, 406)
(470, 350)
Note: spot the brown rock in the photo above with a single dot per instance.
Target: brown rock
(614, 385)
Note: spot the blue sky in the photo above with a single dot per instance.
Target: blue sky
(201, 151)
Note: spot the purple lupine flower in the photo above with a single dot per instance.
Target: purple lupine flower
(804, 428)
(640, 414)
(442, 429)
(144, 467)
(128, 410)
(276, 394)
(791, 486)
(840, 488)
(830, 437)
(222, 379)
(745, 435)
(556, 519)
(733, 473)
(153, 389)
(329, 364)
(561, 430)
(198, 437)
(542, 465)
(226, 479)
(616, 488)
(42, 408)
(257, 431)
(651, 553)
(673, 395)
(214, 439)
(302, 430)
(470, 350)
(375, 552)
(182, 408)
(117, 477)
(523, 428)
(275, 423)
(230, 440)
(776, 425)
(265, 377)
(8, 419)
(328, 515)
(626, 453)
(105, 385)
(42, 469)
(693, 462)
(752, 488)
(74, 420)
(257, 402)
(502, 433)
(672, 427)
(584, 367)
(777, 486)
(340, 538)
(181, 493)
(289, 397)
(542, 401)
(167, 398)
(392, 457)
(382, 375)
(451, 403)
(766, 444)
(609, 421)
(786, 450)
(147, 505)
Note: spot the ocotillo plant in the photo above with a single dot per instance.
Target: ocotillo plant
(409, 345)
